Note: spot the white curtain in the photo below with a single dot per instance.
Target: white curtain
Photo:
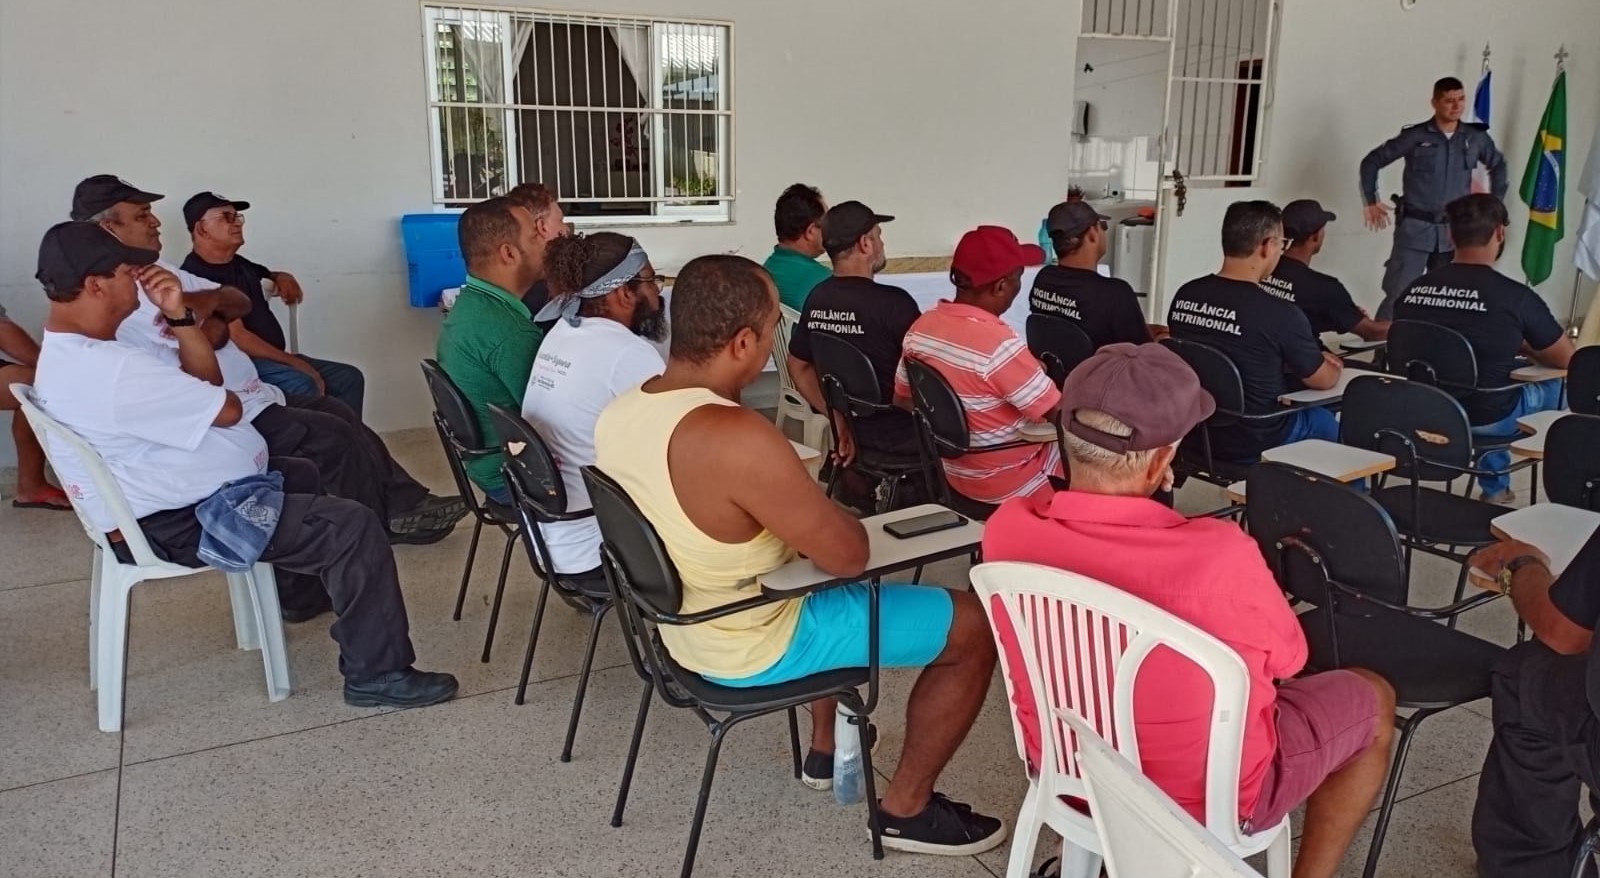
(633, 44)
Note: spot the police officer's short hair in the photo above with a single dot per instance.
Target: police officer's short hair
(1447, 85)
(1473, 219)
(1247, 224)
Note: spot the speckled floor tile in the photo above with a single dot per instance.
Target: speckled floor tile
(61, 829)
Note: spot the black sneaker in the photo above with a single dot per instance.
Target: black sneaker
(407, 688)
(817, 772)
(945, 828)
(420, 537)
(430, 514)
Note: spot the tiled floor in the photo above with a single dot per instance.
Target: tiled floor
(210, 779)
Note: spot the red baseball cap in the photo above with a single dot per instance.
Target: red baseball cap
(988, 253)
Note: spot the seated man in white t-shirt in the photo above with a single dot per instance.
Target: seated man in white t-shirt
(606, 304)
(353, 461)
(172, 436)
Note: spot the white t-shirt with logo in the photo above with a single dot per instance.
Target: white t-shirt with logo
(579, 370)
(149, 420)
(147, 327)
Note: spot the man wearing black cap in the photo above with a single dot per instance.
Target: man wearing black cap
(1105, 307)
(871, 316)
(1324, 299)
(1269, 340)
(1321, 739)
(172, 440)
(352, 460)
(216, 227)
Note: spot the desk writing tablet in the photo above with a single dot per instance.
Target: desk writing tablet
(1558, 531)
(1343, 462)
(1531, 374)
(885, 553)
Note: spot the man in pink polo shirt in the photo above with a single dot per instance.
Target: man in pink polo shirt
(1002, 387)
(1322, 739)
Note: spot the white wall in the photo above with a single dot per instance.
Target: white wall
(314, 111)
(1351, 73)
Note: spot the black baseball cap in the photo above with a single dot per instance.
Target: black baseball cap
(103, 190)
(1304, 218)
(846, 223)
(72, 251)
(1073, 218)
(196, 207)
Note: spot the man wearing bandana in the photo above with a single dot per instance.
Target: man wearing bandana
(606, 304)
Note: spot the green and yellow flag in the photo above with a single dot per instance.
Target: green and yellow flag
(1543, 186)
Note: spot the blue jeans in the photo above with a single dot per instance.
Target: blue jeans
(1540, 397)
(344, 381)
(1312, 423)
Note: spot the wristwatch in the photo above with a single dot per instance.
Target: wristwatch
(186, 320)
(1509, 571)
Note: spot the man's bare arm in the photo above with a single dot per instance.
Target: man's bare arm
(1327, 375)
(17, 345)
(1556, 356)
(804, 376)
(755, 469)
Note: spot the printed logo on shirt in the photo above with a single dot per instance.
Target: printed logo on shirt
(1279, 287)
(836, 322)
(1453, 298)
(1066, 306)
(1212, 317)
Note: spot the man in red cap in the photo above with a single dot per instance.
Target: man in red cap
(1000, 383)
(1321, 739)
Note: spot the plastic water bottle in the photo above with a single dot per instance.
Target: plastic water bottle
(848, 784)
(1045, 243)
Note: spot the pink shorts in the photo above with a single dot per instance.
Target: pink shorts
(1324, 722)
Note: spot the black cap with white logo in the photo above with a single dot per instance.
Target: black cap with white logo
(102, 191)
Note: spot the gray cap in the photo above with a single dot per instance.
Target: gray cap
(1073, 218)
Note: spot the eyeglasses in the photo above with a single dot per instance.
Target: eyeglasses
(231, 217)
(1284, 243)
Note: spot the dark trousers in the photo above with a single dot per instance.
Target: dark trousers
(353, 461)
(1546, 748)
(321, 543)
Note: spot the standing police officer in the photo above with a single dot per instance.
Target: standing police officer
(1440, 155)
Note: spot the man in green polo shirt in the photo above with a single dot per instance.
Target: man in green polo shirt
(793, 263)
(489, 340)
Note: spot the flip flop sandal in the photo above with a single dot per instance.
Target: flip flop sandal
(43, 501)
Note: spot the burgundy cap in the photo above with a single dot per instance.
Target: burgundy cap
(1146, 386)
(988, 253)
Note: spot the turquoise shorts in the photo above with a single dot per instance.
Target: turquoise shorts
(913, 625)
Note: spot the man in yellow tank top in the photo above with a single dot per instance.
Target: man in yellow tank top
(732, 502)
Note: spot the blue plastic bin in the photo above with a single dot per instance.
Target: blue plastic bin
(433, 256)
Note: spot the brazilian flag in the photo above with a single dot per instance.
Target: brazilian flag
(1543, 185)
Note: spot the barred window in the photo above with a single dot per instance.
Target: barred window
(628, 119)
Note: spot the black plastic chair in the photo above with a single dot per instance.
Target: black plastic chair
(1335, 548)
(1059, 344)
(942, 428)
(1439, 356)
(463, 441)
(1583, 381)
(648, 594)
(851, 390)
(1220, 378)
(1572, 462)
(540, 496)
(1426, 431)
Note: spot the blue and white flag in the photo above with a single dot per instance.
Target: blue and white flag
(1480, 99)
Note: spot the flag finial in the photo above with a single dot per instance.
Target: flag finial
(1561, 57)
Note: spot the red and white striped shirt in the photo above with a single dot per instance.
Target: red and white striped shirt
(1002, 387)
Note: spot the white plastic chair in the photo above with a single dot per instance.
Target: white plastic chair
(1143, 833)
(792, 406)
(257, 622)
(1094, 638)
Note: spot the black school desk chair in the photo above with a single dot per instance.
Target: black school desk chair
(540, 498)
(1059, 344)
(851, 390)
(1583, 381)
(1426, 431)
(463, 441)
(1572, 462)
(1334, 547)
(648, 593)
